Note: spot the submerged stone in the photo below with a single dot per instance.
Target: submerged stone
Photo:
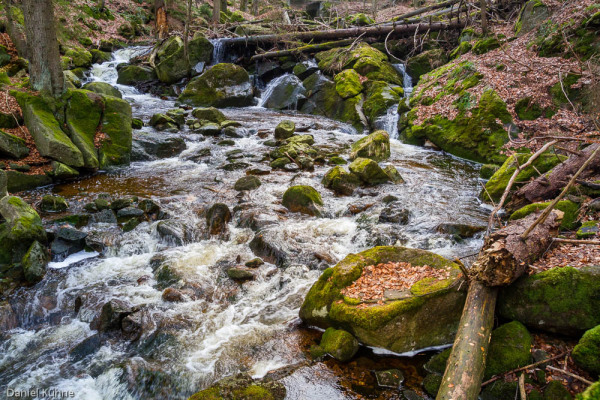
(340, 344)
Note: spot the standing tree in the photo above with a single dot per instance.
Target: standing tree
(101, 4)
(217, 11)
(186, 34)
(160, 19)
(255, 5)
(45, 70)
(244, 5)
(484, 21)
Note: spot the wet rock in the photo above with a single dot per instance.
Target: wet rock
(391, 378)
(340, 181)
(166, 275)
(103, 217)
(463, 231)
(232, 132)
(170, 63)
(304, 199)
(61, 171)
(247, 183)
(149, 206)
(210, 114)
(199, 154)
(254, 263)
(217, 218)
(21, 228)
(392, 213)
(285, 93)
(173, 231)
(85, 348)
(121, 203)
(340, 344)
(255, 220)
(173, 295)
(285, 129)
(130, 212)
(305, 69)
(131, 224)
(393, 174)
(34, 262)
(234, 166)
(587, 352)
(8, 318)
(101, 204)
(155, 145)
(51, 204)
(241, 273)
(209, 129)
(258, 171)
(177, 115)
(389, 199)
(68, 241)
(112, 314)
(306, 139)
(226, 142)
(137, 123)
(560, 300)
(264, 245)
(103, 88)
(162, 122)
(510, 348)
(532, 15)
(368, 171)
(242, 386)
(135, 74)
(429, 317)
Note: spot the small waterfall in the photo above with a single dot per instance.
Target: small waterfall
(218, 51)
(389, 122)
(282, 92)
(407, 82)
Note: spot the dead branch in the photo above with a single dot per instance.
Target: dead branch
(577, 241)
(514, 371)
(314, 48)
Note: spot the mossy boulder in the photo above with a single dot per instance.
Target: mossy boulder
(134, 74)
(12, 146)
(462, 48)
(223, 85)
(348, 84)
(50, 140)
(340, 181)
(340, 344)
(532, 15)
(83, 114)
(242, 386)
(4, 56)
(99, 56)
(510, 348)
(294, 150)
(425, 62)
(528, 110)
(560, 300)
(72, 81)
(103, 88)
(116, 125)
(336, 60)
(377, 70)
(170, 64)
(162, 122)
(368, 171)
(249, 182)
(379, 97)
(304, 199)
(427, 315)
(486, 44)
(591, 393)
(285, 129)
(18, 181)
(210, 114)
(52, 203)
(78, 57)
(360, 19)
(476, 134)
(21, 228)
(570, 209)
(34, 262)
(495, 186)
(587, 352)
(375, 146)
(285, 93)
(588, 229)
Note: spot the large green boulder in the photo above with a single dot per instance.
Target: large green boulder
(379, 97)
(134, 74)
(348, 83)
(210, 114)
(78, 57)
(170, 63)
(425, 62)
(340, 344)
(23, 226)
(242, 386)
(377, 70)
(368, 171)
(18, 181)
(34, 262)
(83, 114)
(103, 88)
(303, 199)
(510, 348)
(50, 140)
(571, 210)
(591, 393)
(12, 146)
(285, 130)
(4, 56)
(375, 146)
(494, 188)
(560, 300)
(427, 314)
(336, 60)
(340, 181)
(116, 125)
(587, 352)
(223, 85)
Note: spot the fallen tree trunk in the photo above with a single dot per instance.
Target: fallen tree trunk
(338, 34)
(502, 260)
(548, 186)
(423, 10)
(313, 48)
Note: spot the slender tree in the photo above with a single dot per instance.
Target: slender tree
(255, 5)
(101, 4)
(484, 20)
(244, 5)
(217, 11)
(186, 34)
(45, 70)
(160, 19)
(223, 5)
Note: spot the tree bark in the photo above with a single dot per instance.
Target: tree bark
(186, 39)
(244, 5)
(549, 185)
(255, 6)
(426, 9)
(505, 250)
(45, 70)
(224, 6)
(484, 21)
(217, 11)
(160, 19)
(15, 30)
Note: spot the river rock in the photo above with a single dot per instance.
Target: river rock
(149, 146)
(217, 218)
(103, 217)
(51, 204)
(340, 344)
(223, 85)
(18, 181)
(429, 316)
(130, 212)
(34, 262)
(305, 69)
(61, 171)
(463, 231)
(173, 231)
(170, 63)
(285, 129)
(240, 273)
(162, 122)
(8, 318)
(392, 213)
(249, 182)
(348, 83)
(340, 181)
(68, 241)
(86, 347)
(21, 228)
(210, 114)
(266, 246)
(12, 146)
(368, 171)
(135, 74)
(173, 295)
(3, 184)
(285, 94)
(559, 300)
(103, 88)
(304, 199)
(112, 314)
(242, 386)
(375, 146)
(587, 352)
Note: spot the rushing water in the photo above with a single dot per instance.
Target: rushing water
(223, 327)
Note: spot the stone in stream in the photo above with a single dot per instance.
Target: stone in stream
(265, 245)
(340, 181)
(254, 263)
(305, 69)
(134, 74)
(86, 347)
(21, 227)
(162, 122)
(121, 203)
(242, 386)
(240, 273)
(170, 63)
(174, 231)
(34, 262)
(340, 344)
(285, 92)
(217, 218)
(392, 213)
(391, 378)
(103, 88)
(112, 314)
(285, 129)
(103, 217)
(68, 241)
(375, 146)
(429, 317)
(173, 295)
(149, 206)
(463, 231)
(129, 212)
(368, 171)
(51, 204)
(209, 129)
(61, 171)
(248, 182)
(8, 318)
(210, 114)
(149, 146)
(304, 199)
(348, 84)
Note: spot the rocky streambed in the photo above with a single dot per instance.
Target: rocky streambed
(188, 310)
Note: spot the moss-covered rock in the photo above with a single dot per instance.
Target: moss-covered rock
(247, 183)
(555, 390)
(368, 171)
(462, 48)
(210, 114)
(23, 226)
(78, 57)
(61, 171)
(591, 393)
(375, 146)
(486, 44)
(560, 300)
(494, 188)
(336, 60)
(34, 262)
(340, 181)
(510, 348)
(170, 64)
(72, 81)
(18, 181)
(379, 97)
(527, 110)
(116, 124)
(432, 383)
(377, 70)
(360, 19)
(425, 62)
(428, 316)
(103, 88)
(340, 344)
(499, 390)
(285, 129)
(99, 56)
(588, 229)
(135, 74)
(570, 209)
(12, 146)
(348, 84)
(223, 85)
(52, 203)
(304, 199)
(162, 122)
(83, 114)
(587, 352)
(242, 386)
(532, 15)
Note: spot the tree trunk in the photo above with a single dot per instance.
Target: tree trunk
(217, 11)
(224, 6)
(186, 39)
(484, 21)
(549, 185)
(101, 4)
(312, 48)
(15, 30)
(45, 70)
(503, 249)
(160, 19)
(255, 6)
(244, 5)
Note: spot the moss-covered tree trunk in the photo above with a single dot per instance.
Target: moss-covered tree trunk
(45, 70)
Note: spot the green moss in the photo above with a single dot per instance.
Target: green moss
(558, 90)
(116, 124)
(338, 59)
(379, 97)
(570, 209)
(560, 300)
(375, 146)
(79, 58)
(212, 393)
(285, 129)
(348, 84)
(340, 344)
(588, 229)
(499, 390)
(377, 70)
(527, 110)
(484, 45)
(556, 391)
(23, 226)
(134, 74)
(432, 383)
(368, 171)
(510, 348)
(425, 62)
(587, 352)
(463, 48)
(51, 203)
(360, 19)
(304, 199)
(340, 181)
(591, 393)
(83, 114)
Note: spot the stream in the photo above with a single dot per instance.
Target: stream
(227, 327)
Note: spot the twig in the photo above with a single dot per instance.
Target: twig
(577, 153)
(514, 371)
(572, 375)
(292, 159)
(576, 241)
(522, 386)
(462, 268)
(548, 209)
